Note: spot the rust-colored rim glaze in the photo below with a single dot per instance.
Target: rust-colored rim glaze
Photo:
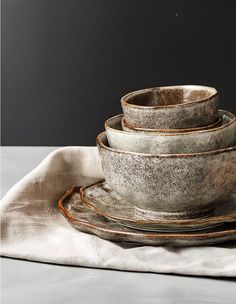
(60, 204)
(125, 103)
(196, 221)
(197, 154)
(140, 234)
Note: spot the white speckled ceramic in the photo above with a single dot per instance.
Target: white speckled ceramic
(171, 107)
(171, 185)
(219, 137)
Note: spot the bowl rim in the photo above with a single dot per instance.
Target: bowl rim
(165, 132)
(159, 155)
(126, 104)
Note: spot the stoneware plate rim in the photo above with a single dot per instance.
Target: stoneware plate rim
(144, 234)
(194, 221)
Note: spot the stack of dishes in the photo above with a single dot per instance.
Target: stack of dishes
(169, 163)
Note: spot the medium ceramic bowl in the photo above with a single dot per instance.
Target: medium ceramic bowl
(175, 186)
(219, 137)
(172, 107)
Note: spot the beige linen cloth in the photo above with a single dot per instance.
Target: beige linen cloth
(33, 229)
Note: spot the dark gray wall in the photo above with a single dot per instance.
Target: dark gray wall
(65, 64)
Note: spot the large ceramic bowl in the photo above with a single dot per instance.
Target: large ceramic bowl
(219, 137)
(172, 107)
(170, 185)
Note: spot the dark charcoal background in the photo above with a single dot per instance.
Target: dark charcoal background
(65, 64)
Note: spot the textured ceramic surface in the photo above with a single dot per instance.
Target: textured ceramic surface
(86, 220)
(128, 128)
(172, 107)
(170, 185)
(101, 198)
(189, 142)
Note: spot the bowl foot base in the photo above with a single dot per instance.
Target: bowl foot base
(183, 215)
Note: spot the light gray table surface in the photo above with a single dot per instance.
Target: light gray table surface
(31, 282)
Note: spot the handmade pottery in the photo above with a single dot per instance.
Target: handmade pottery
(86, 220)
(170, 185)
(189, 142)
(101, 198)
(171, 107)
(128, 128)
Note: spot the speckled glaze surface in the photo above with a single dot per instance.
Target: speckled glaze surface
(128, 128)
(173, 186)
(101, 198)
(172, 107)
(158, 142)
(86, 220)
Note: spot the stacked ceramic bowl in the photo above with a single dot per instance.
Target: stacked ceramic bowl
(170, 156)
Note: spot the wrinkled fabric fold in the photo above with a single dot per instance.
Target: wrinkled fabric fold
(33, 229)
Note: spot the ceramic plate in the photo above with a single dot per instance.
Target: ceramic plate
(86, 220)
(106, 202)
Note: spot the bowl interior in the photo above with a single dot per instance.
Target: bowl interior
(102, 138)
(165, 96)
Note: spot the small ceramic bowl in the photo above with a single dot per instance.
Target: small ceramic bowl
(128, 128)
(219, 137)
(171, 107)
(175, 186)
